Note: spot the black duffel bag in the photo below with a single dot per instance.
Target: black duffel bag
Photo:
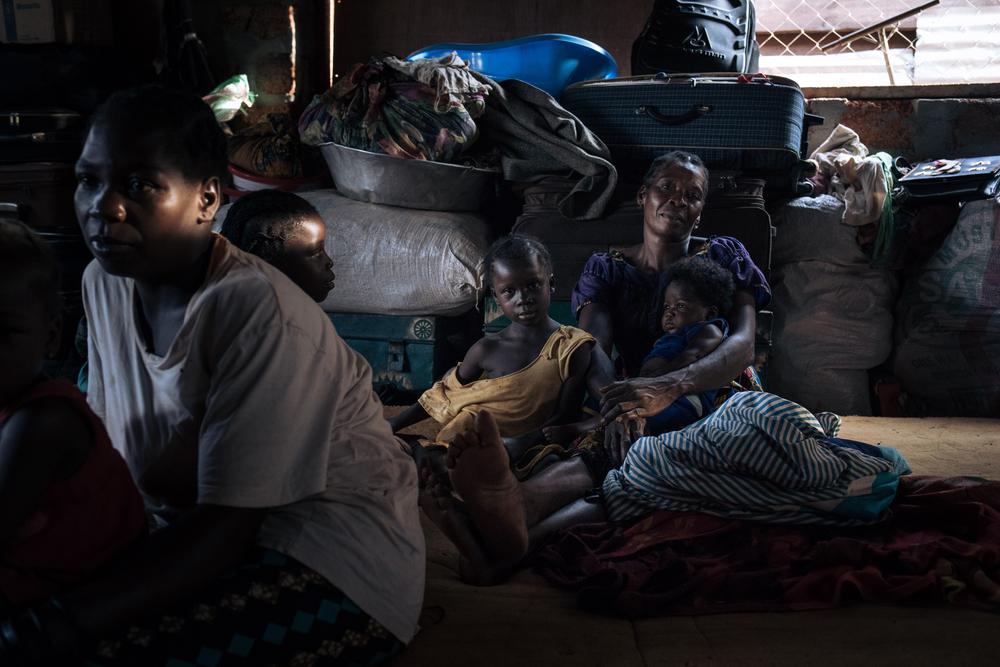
(697, 36)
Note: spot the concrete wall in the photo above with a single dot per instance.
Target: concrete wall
(917, 129)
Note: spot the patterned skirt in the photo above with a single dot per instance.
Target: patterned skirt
(271, 610)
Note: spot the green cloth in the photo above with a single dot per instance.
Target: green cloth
(882, 250)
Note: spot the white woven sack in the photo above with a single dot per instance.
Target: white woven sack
(397, 261)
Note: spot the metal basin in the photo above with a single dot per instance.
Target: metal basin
(421, 184)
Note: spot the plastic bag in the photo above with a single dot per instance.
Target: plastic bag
(230, 97)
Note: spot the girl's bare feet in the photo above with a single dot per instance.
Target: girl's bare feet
(449, 514)
(480, 473)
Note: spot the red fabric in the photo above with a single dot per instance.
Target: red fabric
(941, 542)
(80, 523)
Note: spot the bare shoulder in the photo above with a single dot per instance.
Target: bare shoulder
(472, 363)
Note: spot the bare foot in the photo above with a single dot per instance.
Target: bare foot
(480, 473)
(449, 514)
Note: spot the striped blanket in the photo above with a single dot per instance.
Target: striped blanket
(758, 457)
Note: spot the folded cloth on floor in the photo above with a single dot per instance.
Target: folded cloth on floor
(760, 457)
(941, 542)
(537, 137)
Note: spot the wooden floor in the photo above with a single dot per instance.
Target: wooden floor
(526, 622)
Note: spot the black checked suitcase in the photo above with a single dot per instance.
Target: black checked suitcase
(751, 124)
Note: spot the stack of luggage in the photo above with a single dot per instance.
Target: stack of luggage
(37, 182)
(578, 164)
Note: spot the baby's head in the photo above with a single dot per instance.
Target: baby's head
(285, 230)
(30, 321)
(518, 270)
(149, 183)
(699, 290)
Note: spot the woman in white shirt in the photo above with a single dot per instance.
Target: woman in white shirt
(288, 509)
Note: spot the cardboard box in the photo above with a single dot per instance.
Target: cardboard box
(27, 21)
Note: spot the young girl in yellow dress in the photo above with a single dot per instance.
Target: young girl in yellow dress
(530, 375)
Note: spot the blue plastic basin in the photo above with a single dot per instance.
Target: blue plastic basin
(550, 62)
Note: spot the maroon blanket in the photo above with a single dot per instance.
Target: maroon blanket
(942, 542)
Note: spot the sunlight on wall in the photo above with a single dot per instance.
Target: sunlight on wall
(292, 56)
(329, 46)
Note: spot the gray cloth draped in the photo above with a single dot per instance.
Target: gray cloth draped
(537, 138)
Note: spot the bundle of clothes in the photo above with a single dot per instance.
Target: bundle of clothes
(441, 110)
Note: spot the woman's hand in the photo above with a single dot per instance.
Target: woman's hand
(619, 436)
(638, 397)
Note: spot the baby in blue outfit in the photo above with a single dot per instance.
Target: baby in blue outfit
(699, 292)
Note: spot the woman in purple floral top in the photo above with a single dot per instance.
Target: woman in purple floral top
(619, 295)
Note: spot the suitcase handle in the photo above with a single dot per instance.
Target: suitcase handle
(12, 209)
(696, 111)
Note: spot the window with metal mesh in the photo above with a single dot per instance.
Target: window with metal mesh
(952, 42)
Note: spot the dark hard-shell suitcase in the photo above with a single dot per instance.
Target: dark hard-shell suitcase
(40, 135)
(752, 124)
(40, 195)
(408, 353)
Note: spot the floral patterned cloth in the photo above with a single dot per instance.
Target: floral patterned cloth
(380, 109)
